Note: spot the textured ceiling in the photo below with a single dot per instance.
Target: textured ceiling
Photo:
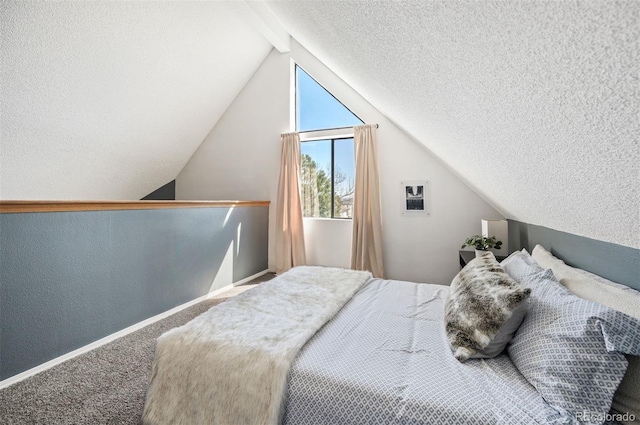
(534, 104)
(108, 100)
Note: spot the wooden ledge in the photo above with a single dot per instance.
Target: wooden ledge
(60, 206)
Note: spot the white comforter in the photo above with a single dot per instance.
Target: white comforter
(230, 365)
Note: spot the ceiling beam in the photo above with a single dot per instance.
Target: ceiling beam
(268, 24)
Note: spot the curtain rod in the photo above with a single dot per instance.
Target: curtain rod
(327, 129)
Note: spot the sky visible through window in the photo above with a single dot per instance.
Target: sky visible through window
(320, 151)
(317, 109)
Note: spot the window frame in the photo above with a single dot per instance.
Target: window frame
(332, 134)
(333, 168)
(295, 102)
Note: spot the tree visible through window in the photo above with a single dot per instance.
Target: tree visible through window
(328, 166)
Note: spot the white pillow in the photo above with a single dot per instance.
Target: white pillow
(516, 264)
(618, 297)
(590, 286)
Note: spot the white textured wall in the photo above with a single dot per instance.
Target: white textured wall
(328, 242)
(240, 159)
(108, 100)
(535, 104)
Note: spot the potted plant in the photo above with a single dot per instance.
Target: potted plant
(482, 243)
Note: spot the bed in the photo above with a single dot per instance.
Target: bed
(379, 355)
(385, 359)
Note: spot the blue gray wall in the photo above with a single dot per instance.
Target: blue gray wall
(70, 278)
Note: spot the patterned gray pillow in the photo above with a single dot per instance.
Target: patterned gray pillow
(570, 349)
(481, 300)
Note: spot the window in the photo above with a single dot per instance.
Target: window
(328, 178)
(328, 163)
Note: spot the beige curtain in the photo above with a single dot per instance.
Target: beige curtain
(366, 248)
(289, 233)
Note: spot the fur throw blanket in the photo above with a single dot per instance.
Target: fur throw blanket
(230, 364)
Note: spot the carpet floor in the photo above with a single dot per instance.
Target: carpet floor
(104, 386)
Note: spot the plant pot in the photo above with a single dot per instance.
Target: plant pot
(479, 253)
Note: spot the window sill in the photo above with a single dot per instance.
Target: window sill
(327, 219)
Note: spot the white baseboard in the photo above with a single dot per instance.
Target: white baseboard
(250, 278)
(107, 339)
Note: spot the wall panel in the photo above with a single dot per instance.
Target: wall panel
(70, 278)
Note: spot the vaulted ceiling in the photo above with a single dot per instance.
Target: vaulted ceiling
(533, 104)
(109, 100)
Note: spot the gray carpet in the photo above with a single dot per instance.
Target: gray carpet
(106, 385)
